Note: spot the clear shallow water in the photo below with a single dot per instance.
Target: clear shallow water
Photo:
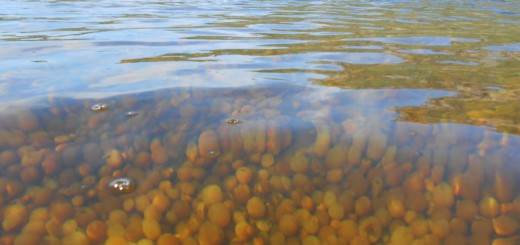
(335, 102)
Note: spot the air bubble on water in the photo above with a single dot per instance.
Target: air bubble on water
(233, 121)
(99, 107)
(122, 185)
(131, 114)
(212, 152)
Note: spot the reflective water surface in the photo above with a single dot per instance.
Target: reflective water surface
(259, 122)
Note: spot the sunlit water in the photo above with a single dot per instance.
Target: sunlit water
(259, 122)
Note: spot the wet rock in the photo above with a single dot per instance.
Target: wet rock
(208, 144)
(14, 217)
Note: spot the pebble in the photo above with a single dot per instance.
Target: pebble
(96, 231)
(401, 236)
(159, 153)
(219, 215)
(371, 228)
(256, 208)
(168, 239)
(208, 144)
(243, 231)
(505, 225)
(14, 217)
(258, 182)
(211, 194)
(288, 225)
(151, 229)
(443, 196)
(210, 234)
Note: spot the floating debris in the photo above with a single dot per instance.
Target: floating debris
(233, 121)
(122, 185)
(99, 107)
(131, 114)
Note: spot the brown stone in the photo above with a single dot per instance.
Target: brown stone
(96, 231)
(208, 144)
(14, 217)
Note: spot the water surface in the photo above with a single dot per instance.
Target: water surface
(343, 121)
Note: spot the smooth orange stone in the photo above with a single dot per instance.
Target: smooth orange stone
(211, 194)
(96, 231)
(219, 215)
(244, 175)
(159, 153)
(440, 228)
(242, 193)
(504, 186)
(466, 210)
(151, 229)
(27, 239)
(336, 157)
(43, 196)
(134, 229)
(334, 176)
(347, 230)
(84, 216)
(336, 211)
(210, 234)
(505, 225)
(416, 201)
(208, 144)
(14, 216)
(36, 227)
(168, 239)
(443, 196)
(243, 231)
(161, 202)
(289, 225)
(402, 235)
(415, 182)
(419, 228)
(114, 159)
(362, 206)
(116, 240)
(371, 228)
(256, 208)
